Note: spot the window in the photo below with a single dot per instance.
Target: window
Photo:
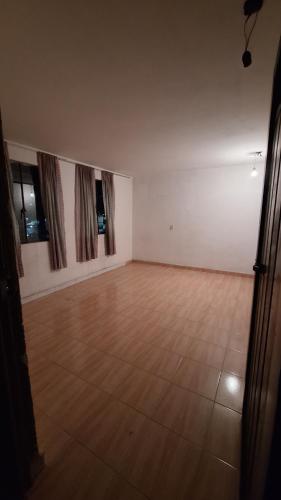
(100, 208)
(28, 204)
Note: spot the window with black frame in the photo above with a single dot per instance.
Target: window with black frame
(28, 203)
(101, 218)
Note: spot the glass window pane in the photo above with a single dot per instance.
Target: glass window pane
(30, 213)
(101, 224)
(100, 208)
(18, 209)
(28, 204)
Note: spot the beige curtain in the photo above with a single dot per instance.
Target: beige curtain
(13, 213)
(86, 227)
(109, 206)
(52, 199)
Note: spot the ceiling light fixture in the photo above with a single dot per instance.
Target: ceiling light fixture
(255, 154)
(254, 172)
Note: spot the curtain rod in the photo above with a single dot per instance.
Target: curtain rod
(68, 160)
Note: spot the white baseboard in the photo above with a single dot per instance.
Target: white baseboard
(47, 291)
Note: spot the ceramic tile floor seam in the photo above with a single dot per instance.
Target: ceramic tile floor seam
(201, 451)
(142, 369)
(197, 478)
(232, 372)
(228, 347)
(220, 375)
(115, 398)
(159, 403)
(156, 276)
(30, 317)
(228, 407)
(224, 461)
(220, 459)
(208, 427)
(154, 346)
(189, 440)
(209, 430)
(122, 309)
(43, 321)
(203, 362)
(123, 477)
(218, 385)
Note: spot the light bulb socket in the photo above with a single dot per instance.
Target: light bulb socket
(247, 59)
(254, 172)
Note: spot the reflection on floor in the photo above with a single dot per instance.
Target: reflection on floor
(137, 380)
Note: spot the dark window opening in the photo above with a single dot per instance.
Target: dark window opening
(28, 203)
(100, 208)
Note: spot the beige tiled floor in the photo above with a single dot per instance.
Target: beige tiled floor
(137, 380)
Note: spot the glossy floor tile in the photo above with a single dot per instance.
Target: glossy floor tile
(235, 362)
(230, 391)
(186, 413)
(198, 377)
(239, 342)
(205, 352)
(109, 372)
(224, 434)
(160, 362)
(215, 480)
(137, 382)
(178, 470)
(54, 442)
(89, 479)
(142, 390)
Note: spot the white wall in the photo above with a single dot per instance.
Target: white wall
(38, 276)
(214, 212)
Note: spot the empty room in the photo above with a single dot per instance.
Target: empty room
(140, 250)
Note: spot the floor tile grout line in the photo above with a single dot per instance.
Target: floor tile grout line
(123, 312)
(56, 424)
(155, 346)
(150, 417)
(115, 398)
(122, 308)
(136, 368)
(202, 450)
(220, 376)
(170, 381)
(225, 347)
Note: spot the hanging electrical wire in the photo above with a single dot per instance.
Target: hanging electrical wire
(251, 7)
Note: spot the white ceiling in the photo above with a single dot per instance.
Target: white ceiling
(137, 86)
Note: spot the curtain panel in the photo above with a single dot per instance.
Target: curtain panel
(13, 213)
(52, 199)
(86, 227)
(109, 205)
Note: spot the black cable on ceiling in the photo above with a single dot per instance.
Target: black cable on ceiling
(251, 7)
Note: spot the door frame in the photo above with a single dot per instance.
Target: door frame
(19, 449)
(261, 399)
